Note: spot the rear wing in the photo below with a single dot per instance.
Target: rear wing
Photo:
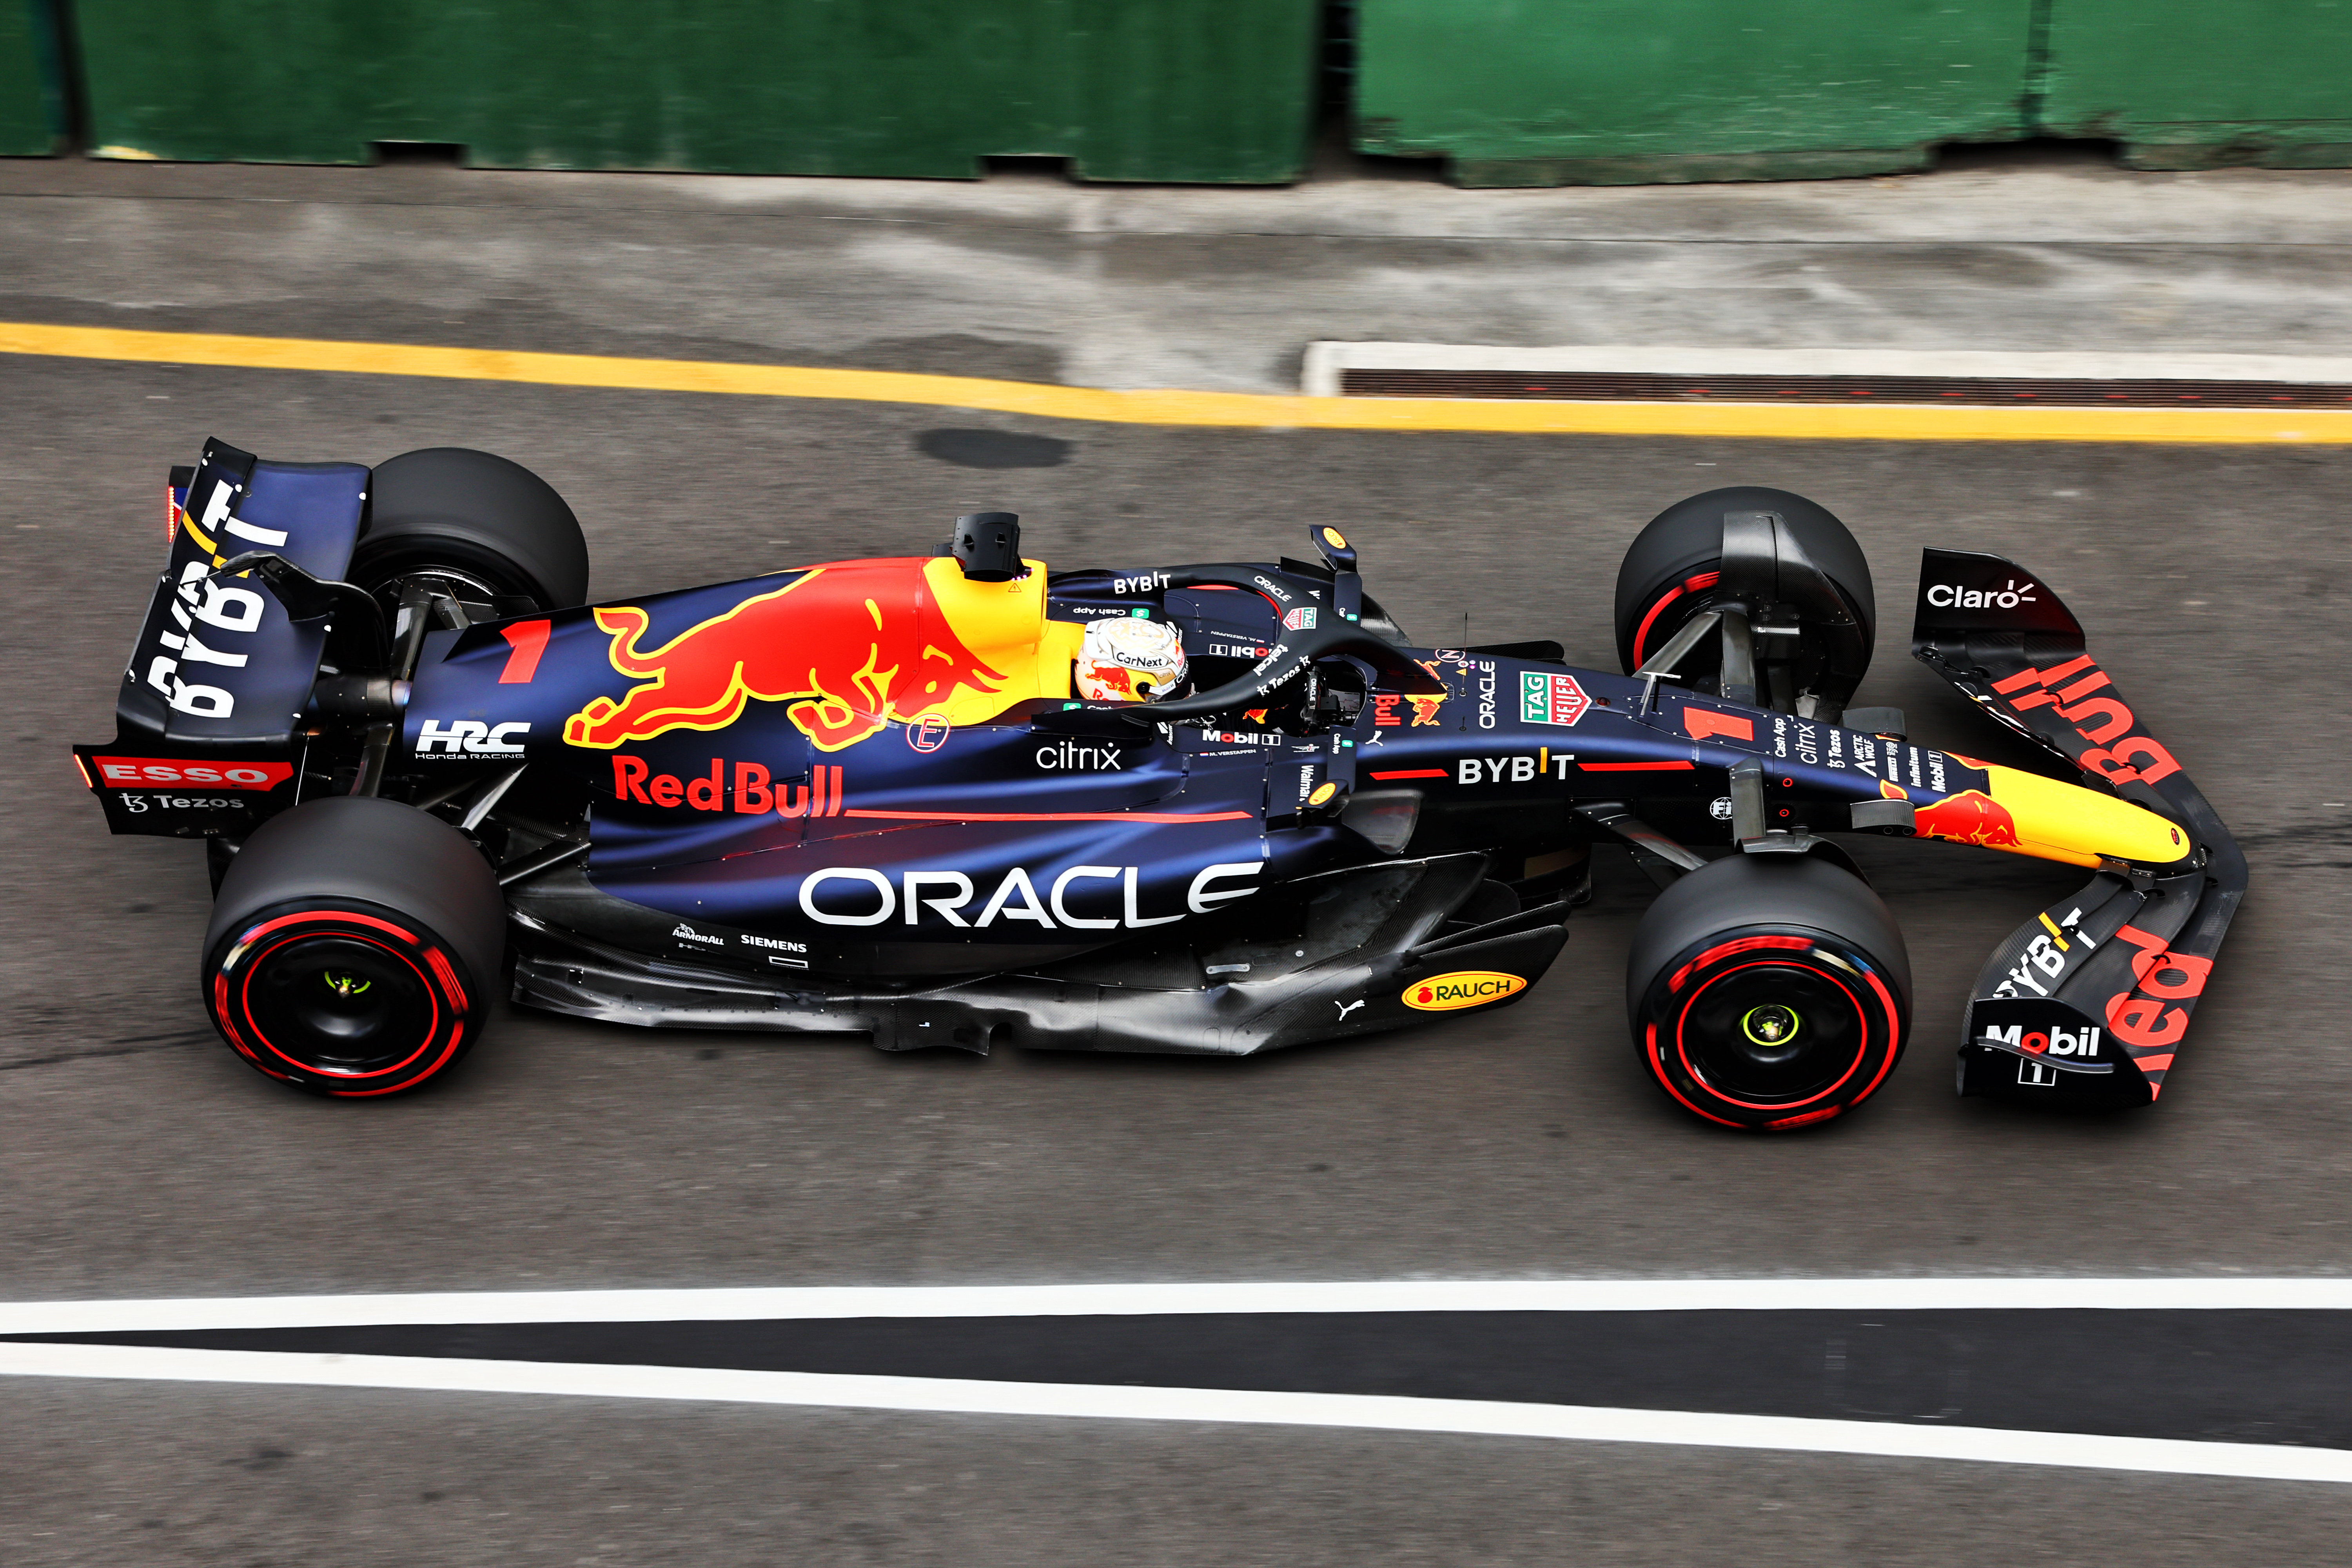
(2088, 1001)
(207, 716)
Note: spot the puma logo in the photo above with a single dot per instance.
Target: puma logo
(1346, 1008)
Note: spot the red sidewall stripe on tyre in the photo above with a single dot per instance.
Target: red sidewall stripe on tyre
(1692, 586)
(1683, 1055)
(448, 988)
(244, 1007)
(457, 1033)
(1666, 1081)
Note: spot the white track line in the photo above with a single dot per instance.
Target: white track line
(1979, 1294)
(1094, 1401)
(1326, 361)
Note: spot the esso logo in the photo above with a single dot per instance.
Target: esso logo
(135, 773)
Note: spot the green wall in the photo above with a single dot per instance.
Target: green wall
(24, 110)
(2190, 85)
(1541, 92)
(1128, 90)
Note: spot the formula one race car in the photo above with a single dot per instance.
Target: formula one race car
(956, 799)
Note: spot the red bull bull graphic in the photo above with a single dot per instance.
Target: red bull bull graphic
(852, 647)
(1970, 816)
(1109, 681)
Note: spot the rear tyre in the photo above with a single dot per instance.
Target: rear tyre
(489, 532)
(1670, 571)
(353, 947)
(1769, 992)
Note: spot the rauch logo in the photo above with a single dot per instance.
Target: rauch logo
(1464, 988)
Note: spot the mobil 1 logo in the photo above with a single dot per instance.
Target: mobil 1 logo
(2046, 1040)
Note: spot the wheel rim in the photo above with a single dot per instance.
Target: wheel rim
(1772, 1033)
(341, 999)
(339, 1005)
(1770, 1027)
(481, 597)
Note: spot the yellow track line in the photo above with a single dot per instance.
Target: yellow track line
(1879, 421)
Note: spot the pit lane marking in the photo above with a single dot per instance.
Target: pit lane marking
(1120, 1402)
(1980, 1293)
(1910, 422)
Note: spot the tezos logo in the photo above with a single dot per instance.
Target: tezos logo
(2008, 596)
(469, 736)
(1464, 988)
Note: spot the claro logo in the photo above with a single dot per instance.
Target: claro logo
(1464, 988)
(861, 896)
(2008, 596)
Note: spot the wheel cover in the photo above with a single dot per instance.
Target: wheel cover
(1772, 1033)
(341, 1000)
(339, 1005)
(1770, 1028)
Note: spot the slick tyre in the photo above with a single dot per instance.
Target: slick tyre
(354, 947)
(1768, 992)
(489, 532)
(1672, 564)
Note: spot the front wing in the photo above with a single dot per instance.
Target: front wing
(2088, 1001)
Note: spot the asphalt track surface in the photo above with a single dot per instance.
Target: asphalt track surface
(142, 1161)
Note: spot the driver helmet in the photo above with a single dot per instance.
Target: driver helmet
(1129, 661)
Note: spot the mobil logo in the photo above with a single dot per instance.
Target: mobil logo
(2052, 1041)
(851, 646)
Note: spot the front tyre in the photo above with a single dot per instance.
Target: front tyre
(354, 947)
(1769, 992)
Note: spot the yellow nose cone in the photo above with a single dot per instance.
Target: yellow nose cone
(2026, 814)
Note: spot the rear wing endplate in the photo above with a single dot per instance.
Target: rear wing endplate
(207, 714)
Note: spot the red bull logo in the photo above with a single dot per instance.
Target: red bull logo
(1105, 682)
(849, 660)
(1385, 705)
(1970, 816)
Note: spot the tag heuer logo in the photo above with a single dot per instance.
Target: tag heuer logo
(1550, 698)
